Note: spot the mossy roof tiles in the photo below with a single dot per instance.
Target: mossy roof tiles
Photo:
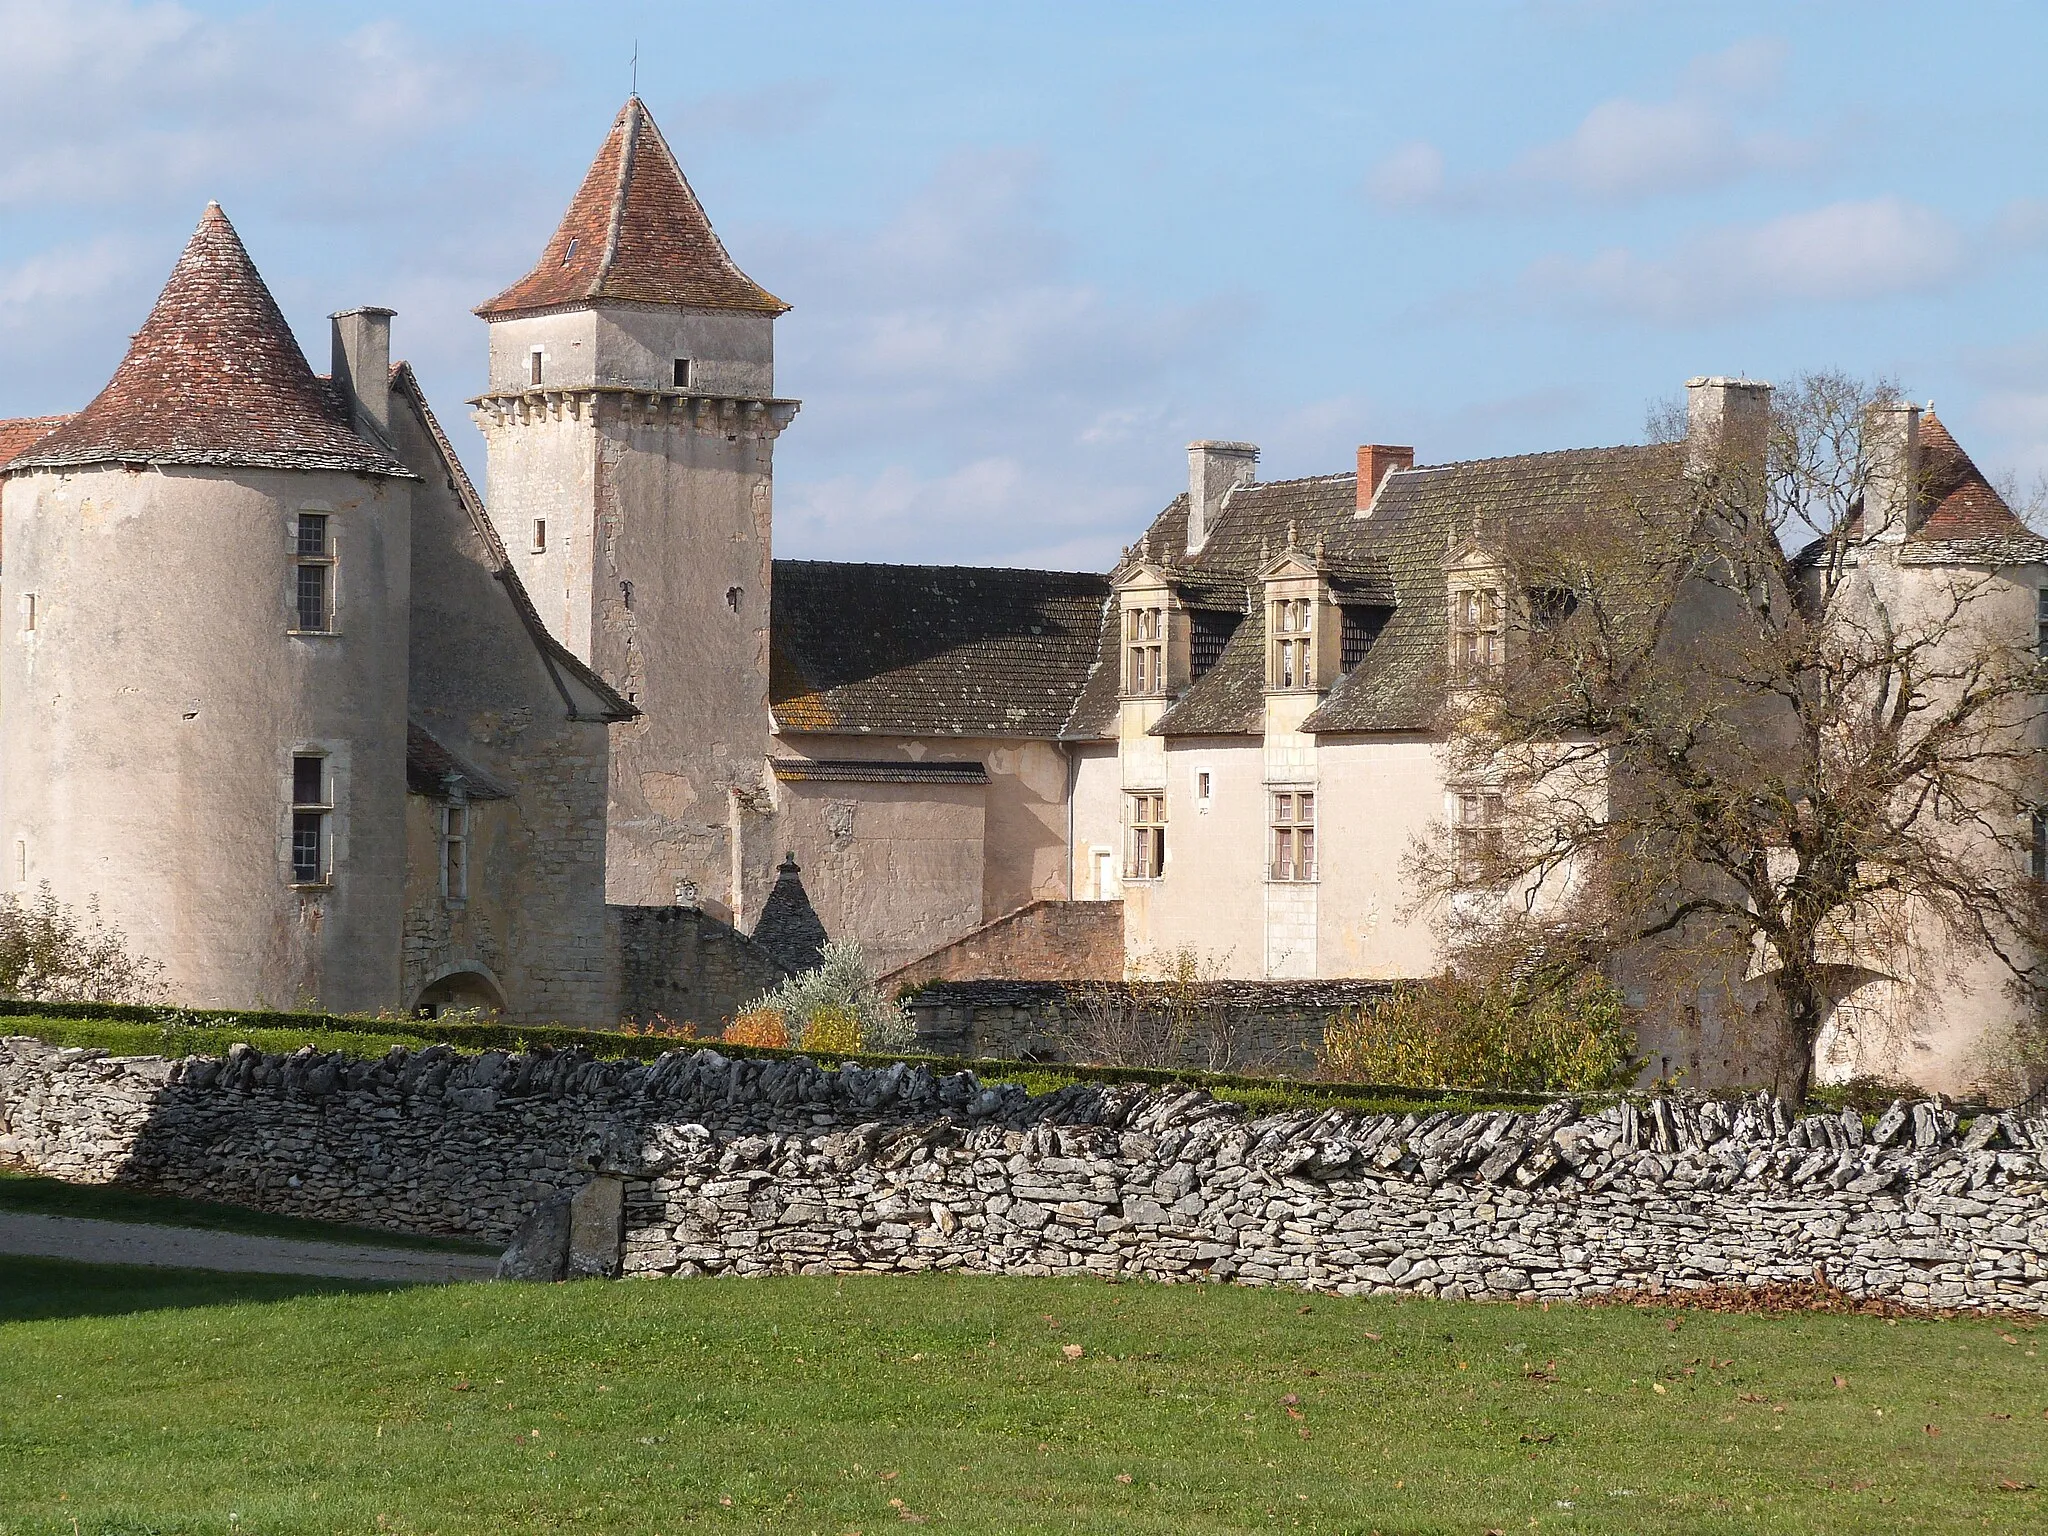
(923, 650)
(214, 377)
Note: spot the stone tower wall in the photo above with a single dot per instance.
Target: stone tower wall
(656, 562)
(149, 719)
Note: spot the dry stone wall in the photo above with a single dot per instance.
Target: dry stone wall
(764, 1167)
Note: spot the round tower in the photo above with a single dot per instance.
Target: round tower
(202, 690)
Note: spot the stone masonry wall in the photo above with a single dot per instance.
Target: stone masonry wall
(1246, 1026)
(684, 965)
(1043, 941)
(763, 1167)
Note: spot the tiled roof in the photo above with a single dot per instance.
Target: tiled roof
(802, 770)
(1393, 559)
(21, 433)
(926, 650)
(790, 929)
(428, 766)
(635, 233)
(214, 377)
(1957, 502)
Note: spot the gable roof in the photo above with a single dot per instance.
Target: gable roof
(634, 233)
(214, 377)
(585, 695)
(927, 650)
(1392, 561)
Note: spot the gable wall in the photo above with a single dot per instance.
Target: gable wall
(535, 917)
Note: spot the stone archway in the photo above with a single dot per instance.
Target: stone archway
(460, 989)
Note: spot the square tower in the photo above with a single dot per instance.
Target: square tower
(630, 424)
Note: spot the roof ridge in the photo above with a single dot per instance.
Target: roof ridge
(628, 152)
(897, 565)
(1521, 458)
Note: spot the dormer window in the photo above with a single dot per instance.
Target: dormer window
(1145, 651)
(1478, 632)
(1293, 630)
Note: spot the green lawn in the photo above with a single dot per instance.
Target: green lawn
(869, 1404)
(109, 1202)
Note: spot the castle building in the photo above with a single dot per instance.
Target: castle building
(315, 723)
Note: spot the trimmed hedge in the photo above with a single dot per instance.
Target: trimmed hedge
(129, 1029)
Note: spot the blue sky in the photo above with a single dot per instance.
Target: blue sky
(1033, 249)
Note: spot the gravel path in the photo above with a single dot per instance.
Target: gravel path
(123, 1242)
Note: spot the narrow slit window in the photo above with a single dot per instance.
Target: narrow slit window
(28, 610)
(540, 535)
(2041, 623)
(455, 851)
(682, 373)
(2037, 848)
(533, 366)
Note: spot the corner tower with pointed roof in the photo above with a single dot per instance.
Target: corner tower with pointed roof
(203, 703)
(630, 421)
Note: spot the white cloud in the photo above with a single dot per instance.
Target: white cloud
(55, 282)
(1846, 251)
(971, 396)
(1624, 150)
(109, 101)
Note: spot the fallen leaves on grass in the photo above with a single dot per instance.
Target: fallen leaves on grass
(1073, 1351)
(2010, 1486)
(1841, 1383)
(1543, 1439)
(1123, 1477)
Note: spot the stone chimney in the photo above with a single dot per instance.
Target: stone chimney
(1891, 457)
(1376, 461)
(362, 360)
(1727, 422)
(1215, 470)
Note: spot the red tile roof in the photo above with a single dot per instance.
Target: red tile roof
(635, 232)
(18, 435)
(1957, 501)
(213, 377)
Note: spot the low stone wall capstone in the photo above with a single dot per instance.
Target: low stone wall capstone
(762, 1167)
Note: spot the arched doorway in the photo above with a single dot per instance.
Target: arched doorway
(471, 990)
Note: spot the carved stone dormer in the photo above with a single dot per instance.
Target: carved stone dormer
(1476, 590)
(1304, 626)
(1155, 634)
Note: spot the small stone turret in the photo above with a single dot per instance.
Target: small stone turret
(790, 928)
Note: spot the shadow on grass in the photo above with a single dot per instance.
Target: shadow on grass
(36, 1195)
(37, 1289)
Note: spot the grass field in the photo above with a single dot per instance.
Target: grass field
(128, 1406)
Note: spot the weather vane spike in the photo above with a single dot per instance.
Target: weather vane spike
(636, 66)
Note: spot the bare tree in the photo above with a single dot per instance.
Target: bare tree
(1747, 726)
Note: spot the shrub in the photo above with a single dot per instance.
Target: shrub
(49, 953)
(842, 984)
(759, 1026)
(1451, 1032)
(832, 1031)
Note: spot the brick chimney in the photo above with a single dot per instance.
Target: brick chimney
(1375, 462)
(362, 360)
(1214, 471)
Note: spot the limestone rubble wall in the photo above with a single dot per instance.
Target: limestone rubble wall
(764, 1167)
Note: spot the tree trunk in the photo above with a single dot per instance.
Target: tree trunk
(1805, 1012)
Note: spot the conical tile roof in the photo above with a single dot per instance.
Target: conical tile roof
(213, 377)
(635, 233)
(1956, 501)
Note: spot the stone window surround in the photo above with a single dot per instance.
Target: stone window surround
(1144, 834)
(328, 559)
